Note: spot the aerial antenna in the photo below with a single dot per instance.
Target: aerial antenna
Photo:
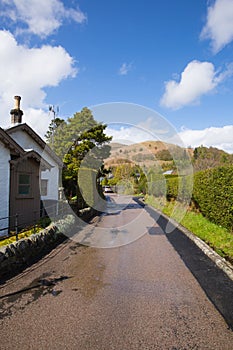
(54, 110)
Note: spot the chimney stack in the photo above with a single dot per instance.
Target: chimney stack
(16, 113)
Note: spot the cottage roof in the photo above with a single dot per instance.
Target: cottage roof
(26, 128)
(9, 143)
(35, 156)
(17, 150)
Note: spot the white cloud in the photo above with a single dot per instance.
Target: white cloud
(219, 25)
(197, 79)
(38, 119)
(42, 17)
(221, 138)
(128, 135)
(149, 129)
(26, 72)
(125, 68)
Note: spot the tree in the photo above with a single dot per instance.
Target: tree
(54, 124)
(82, 144)
(206, 158)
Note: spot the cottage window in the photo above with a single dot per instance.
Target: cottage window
(44, 187)
(24, 184)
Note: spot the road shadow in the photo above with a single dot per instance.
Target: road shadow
(155, 231)
(216, 284)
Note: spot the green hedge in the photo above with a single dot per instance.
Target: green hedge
(213, 194)
(179, 187)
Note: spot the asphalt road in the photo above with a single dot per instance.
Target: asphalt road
(129, 287)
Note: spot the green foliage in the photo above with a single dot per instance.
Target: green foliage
(81, 143)
(141, 184)
(156, 182)
(179, 187)
(206, 158)
(80, 133)
(164, 154)
(211, 190)
(54, 124)
(122, 172)
(140, 157)
(87, 183)
(173, 153)
(172, 187)
(213, 194)
(23, 234)
(130, 178)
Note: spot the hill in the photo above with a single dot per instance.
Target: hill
(207, 158)
(156, 153)
(147, 154)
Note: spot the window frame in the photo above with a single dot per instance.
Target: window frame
(42, 193)
(26, 183)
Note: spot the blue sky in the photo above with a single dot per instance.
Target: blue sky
(174, 57)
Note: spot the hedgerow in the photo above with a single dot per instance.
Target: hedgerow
(179, 187)
(213, 194)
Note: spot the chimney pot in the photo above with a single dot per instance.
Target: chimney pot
(17, 102)
(16, 113)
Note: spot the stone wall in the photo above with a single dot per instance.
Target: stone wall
(18, 255)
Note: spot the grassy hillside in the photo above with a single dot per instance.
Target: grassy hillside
(156, 153)
(146, 154)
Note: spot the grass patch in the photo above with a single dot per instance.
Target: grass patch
(217, 237)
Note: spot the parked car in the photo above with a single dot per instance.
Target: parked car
(108, 189)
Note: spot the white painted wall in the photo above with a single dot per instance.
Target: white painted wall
(27, 143)
(4, 186)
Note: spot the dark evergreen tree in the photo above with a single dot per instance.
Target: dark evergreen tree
(54, 124)
(83, 146)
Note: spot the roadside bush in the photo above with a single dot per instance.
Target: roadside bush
(172, 187)
(179, 187)
(157, 187)
(213, 194)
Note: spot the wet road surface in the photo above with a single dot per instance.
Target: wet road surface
(139, 295)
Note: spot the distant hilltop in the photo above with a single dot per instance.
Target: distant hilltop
(148, 153)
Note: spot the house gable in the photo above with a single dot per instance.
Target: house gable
(10, 143)
(29, 139)
(26, 141)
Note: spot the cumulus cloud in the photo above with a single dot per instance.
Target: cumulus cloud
(219, 137)
(27, 72)
(128, 134)
(41, 18)
(216, 137)
(219, 24)
(150, 129)
(197, 79)
(125, 68)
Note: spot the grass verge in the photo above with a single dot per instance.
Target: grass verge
(42, 223)
(12, 239)
(217, 237)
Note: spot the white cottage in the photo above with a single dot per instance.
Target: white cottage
(28, 139)
(29, 172)
(8, 149)
(19, 184)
